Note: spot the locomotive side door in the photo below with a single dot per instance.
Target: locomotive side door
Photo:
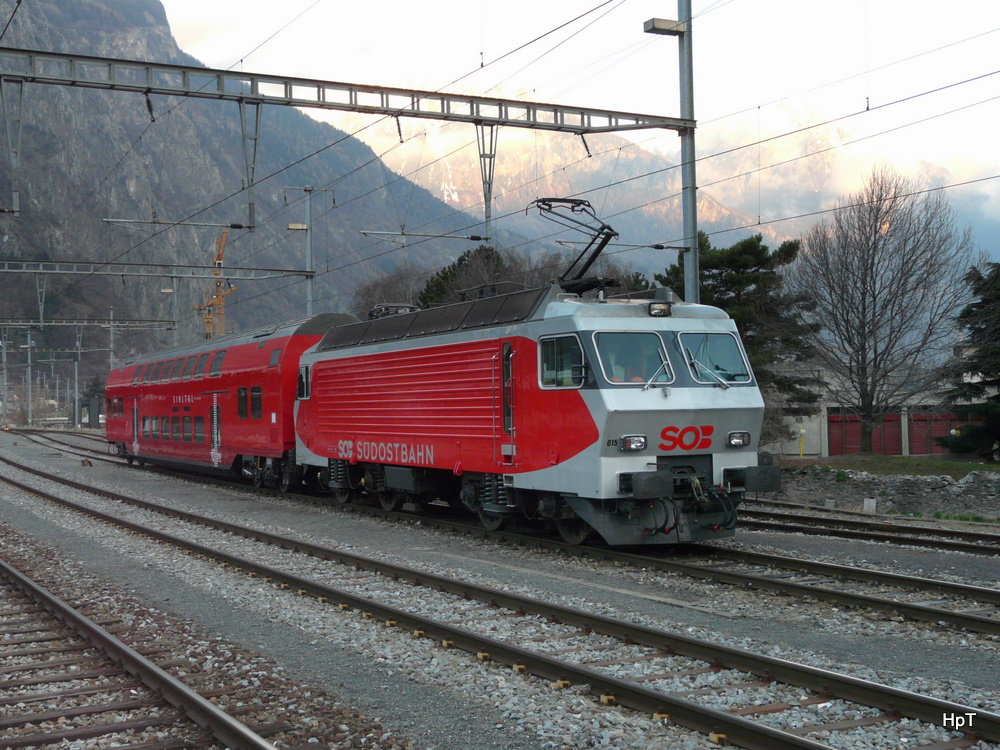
(505, 435)
(215, 427)
(135, 425)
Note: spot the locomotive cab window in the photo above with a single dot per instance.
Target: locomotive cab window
(714, 358)
(633, 357)
(275, 357)
(561, 360)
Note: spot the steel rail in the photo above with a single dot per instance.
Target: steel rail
(203, 712)
(892, 700)
(759, 503)
(979, 593)
(898, 528)
(871, 536)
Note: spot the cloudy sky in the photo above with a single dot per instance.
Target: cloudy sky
(827, 90)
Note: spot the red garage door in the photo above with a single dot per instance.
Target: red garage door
(927, 425)
(845, 435)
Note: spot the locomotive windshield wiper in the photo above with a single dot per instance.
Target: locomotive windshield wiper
(718, 379)
(649, 382)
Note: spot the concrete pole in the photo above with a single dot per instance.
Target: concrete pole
(175, 314)
(31, 417)
(3, 366)
(111, 339)
(76, 380)
(309, 250)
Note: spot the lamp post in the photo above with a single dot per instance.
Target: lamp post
(689, 181)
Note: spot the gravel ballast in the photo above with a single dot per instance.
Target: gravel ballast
(436, 698)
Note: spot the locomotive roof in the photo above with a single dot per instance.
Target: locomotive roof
(480, 313)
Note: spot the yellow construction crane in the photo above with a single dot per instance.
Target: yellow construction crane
(215, 306)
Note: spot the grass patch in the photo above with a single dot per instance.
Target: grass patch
(958, 517)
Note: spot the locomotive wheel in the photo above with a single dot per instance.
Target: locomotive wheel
(342, 497)
(129, 459)
(492, 521)
(290, 477)
(258, 477)
(391, 500)
(573, 530)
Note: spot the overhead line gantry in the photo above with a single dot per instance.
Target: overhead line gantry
(251, 90)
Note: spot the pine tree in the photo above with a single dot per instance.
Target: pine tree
(745, 281)
(975, 371)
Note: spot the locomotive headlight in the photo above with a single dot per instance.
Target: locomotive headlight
(738, 439)
(633, 443)
(659, 309)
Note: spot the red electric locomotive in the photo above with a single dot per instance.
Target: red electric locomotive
(223, 403)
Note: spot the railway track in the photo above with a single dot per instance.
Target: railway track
(941, 603)
(956, 540)
(65, 679)
(58, 442)
(747, 699)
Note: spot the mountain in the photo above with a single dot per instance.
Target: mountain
(89, 155)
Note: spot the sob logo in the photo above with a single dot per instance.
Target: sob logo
(687, 439)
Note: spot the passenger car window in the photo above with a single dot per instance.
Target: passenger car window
(561, 361)
(188, 366)
(216, 366)
(633, 357)
(199, 369)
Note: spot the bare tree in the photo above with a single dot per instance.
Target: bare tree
(884, 279)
